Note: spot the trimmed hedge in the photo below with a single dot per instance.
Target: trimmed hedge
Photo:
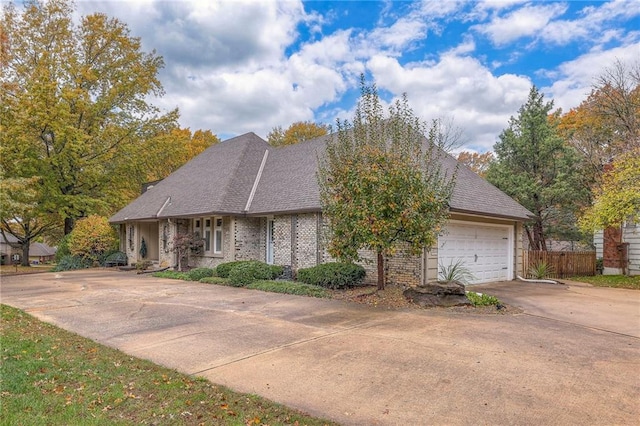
(198, 273)
(333, 275)
(223, 269)
(248, 272)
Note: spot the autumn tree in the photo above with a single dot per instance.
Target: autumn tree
(607, 123)
(157, 157)
(92, 237)
(74, 100)
(299, 131)
(479, 163)
(618, 198)
(22, 214)
(537, 169)
(381, 183)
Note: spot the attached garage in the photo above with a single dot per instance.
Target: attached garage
(485, 249)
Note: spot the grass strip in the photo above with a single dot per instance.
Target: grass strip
(51, 376)
(615, 281)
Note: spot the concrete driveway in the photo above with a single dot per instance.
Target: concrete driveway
(359, 365)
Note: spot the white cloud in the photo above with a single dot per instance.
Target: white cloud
(456, 87)
(526, 21)
(575, 79)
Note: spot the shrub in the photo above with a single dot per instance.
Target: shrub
(198, 273)
(92, 237)
(289, 287)
(175, 275)
(455, 272)
(215, 280)
(333, 275)
(248, 272)
(480, 299)
(540, 270)
(69, 262)
(276, 271)
(223, 269)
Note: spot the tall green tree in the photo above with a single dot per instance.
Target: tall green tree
(73, 101)
(381, 182)
(538, 169)
(299, 131)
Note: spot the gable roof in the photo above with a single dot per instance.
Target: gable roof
(247, 176)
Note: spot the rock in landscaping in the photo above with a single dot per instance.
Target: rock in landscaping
(438, 294)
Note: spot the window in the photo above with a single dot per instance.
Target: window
(210, 230)
(217, 246)
(207, 235)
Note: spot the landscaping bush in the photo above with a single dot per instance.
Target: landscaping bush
(69, 263)
(215, 280)
(333, 275)
(248, 272)
(223, 269)
(174, 275)
(63, 248)
(276, 271)
(480, 299)
(198, 273)
(92, 237)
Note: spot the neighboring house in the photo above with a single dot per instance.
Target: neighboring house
(249, 200)
(8, 248)
(38, 252)
(619, 248)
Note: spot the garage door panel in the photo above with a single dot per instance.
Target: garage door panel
(484, 250)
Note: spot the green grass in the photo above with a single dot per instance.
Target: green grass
(615, 281)
(49, 376)
(174, 275)
(289, 287)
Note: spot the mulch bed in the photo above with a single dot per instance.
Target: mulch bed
(391, 298)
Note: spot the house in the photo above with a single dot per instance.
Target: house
(619, 248)
(9, 247)
(249, 200)
(38, 252)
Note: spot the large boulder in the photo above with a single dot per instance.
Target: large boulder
(450, 293)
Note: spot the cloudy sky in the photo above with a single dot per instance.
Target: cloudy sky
(239, 66)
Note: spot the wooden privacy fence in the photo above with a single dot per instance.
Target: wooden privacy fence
(562, 264)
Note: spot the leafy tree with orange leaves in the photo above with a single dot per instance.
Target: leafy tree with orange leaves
(618, 198)
(479, 163)
(299, 131)
(92, 237)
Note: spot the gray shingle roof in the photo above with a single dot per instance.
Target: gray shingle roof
(220, 181)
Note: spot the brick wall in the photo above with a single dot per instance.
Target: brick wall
(610, 253)
(249, 235)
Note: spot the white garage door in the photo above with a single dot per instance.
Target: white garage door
(485, 250)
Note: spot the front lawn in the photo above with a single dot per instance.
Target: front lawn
(33, 269)
(616, 281)
(49, 376)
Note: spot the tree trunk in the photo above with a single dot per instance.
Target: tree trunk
(68, 225)
(25, 253)
(380, 271)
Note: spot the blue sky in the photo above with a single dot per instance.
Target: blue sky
(239, 66)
